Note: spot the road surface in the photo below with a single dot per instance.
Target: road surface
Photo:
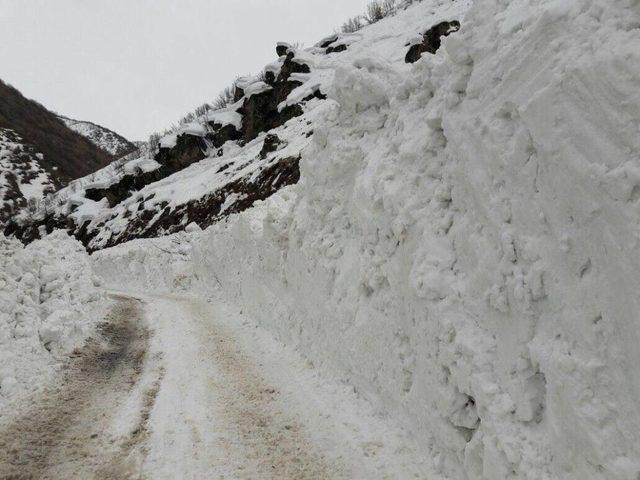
(172, 387)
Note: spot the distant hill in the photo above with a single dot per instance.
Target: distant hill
(66, 154)
(106, 139)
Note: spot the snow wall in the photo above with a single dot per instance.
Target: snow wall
(463, 244)
(49, 303)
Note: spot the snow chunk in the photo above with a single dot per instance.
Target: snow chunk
(225, 117)
(256, 88)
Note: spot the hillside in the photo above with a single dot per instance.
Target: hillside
(23, 180)
(225, 160)
(108, 140)
(65, 154)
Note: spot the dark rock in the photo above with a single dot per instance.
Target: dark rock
(282, 49)
(431, 40)
(126, 186)
(222, 134)
(316, 94)
(291, 66)
(189, 149)
(271, 143)
(269, 77)
(238, 93)
(328, 41)
(260, 111)
(338, 48)
(207, 210)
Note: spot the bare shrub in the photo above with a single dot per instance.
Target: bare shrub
(154, 142)
(202, 109)
(379, 9)
(352, 25)
(225, 97)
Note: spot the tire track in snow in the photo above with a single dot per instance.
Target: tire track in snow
(63, 432)
(274, 443)
(215, 415)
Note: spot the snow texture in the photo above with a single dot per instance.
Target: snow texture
(48, 297)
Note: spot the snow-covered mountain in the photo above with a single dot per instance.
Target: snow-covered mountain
(38, 154)
(108, 140)
(444, 215)
(65, 154)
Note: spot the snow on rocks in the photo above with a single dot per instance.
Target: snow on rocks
(225, 117)
(48, 304)
(193, 128)
(22, 178)
(169, 141)
(256, 88)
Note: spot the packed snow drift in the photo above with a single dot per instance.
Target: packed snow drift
(49, 303)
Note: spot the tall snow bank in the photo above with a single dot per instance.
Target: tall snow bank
(159, 264)
(47, 299)
(463, 243)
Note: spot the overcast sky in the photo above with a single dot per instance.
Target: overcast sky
(136, 66)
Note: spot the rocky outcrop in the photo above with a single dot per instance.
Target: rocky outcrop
(431, 40)
(188, 149)
(282, 49)
(126, 186)
(260, 111)
(341, 47)
(271, 144)
(221, 134)
(289, 66)
(325, 42)
(211, 208)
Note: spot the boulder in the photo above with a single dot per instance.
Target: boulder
(431, 40)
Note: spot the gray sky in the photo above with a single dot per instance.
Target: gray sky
(136, 66)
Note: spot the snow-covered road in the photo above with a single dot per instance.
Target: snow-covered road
(174, 387)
